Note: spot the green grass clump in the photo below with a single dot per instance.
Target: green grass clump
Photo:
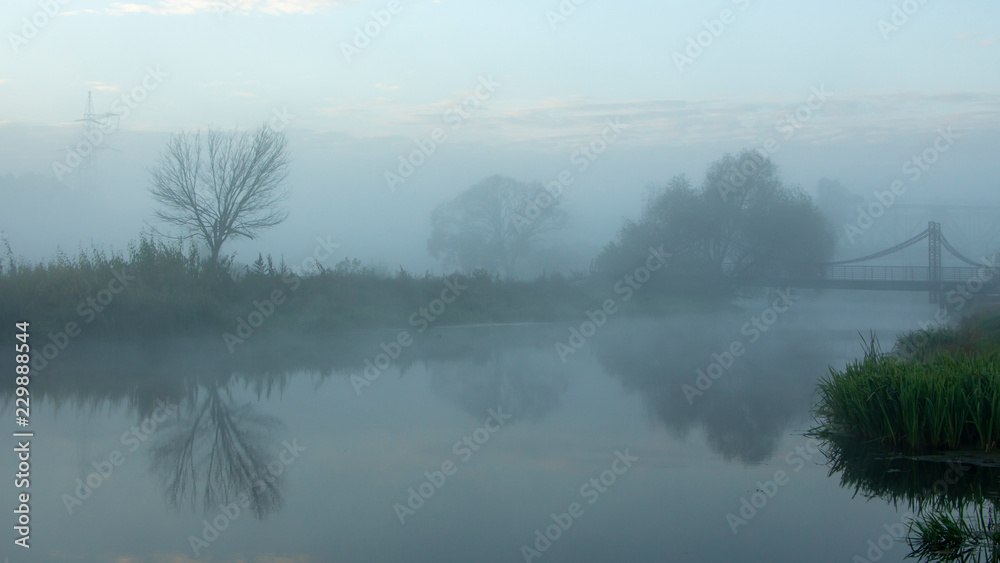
(947, 401)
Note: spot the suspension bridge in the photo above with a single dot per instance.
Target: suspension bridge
(934, 278)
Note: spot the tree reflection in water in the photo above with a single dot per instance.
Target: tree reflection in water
(213, 451)
(525, 383)
(747, 411)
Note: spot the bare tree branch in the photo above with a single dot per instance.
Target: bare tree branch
(230, 187)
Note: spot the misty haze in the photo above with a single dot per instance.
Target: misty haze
(316, 281)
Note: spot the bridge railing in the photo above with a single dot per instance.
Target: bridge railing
(905, 273)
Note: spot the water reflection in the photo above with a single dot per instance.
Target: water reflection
(746, 411)
(525, 383)
(213, 448)
(219, 442)
(954, 499)
(365, 452)
(967, 534)
(212, 451)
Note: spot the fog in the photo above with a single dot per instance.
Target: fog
(337, 187)
(349, 119)
(219, 413)
(428, 280)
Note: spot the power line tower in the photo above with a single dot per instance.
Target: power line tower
(96, 127)
(92, 121)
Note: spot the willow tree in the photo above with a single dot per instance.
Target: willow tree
(494, 225)
(742, 222)
(229, 185)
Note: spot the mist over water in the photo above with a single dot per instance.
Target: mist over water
(385, 280)
(195, 429)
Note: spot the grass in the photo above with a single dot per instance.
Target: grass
(974, 334)
(938, 390)
(172, 291)
(939, 398)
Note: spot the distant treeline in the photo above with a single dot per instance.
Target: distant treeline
(158, 289)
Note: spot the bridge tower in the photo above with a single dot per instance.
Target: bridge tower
(934, 270)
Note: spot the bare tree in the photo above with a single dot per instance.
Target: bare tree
(227, 188)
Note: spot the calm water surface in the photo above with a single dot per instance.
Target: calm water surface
(476, 444)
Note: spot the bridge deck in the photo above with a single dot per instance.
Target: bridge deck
(933, 278)
(887, 285)
(907, 273)
(892, 278)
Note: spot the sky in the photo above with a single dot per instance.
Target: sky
(848, 90)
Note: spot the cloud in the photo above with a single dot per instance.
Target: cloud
(296, 6)
(981, 42)
(80, 11)
(166, 7)
(102, 87)
(563, 123)
(189, 7)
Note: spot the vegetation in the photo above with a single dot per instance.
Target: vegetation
(839, 205)
(742, 222)
(946, 402)
(944, 394)
(227, 189)
(902, 426)
(495, 225)
(976, 334)
(156, 289)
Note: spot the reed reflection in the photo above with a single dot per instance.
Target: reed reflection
(954, 498)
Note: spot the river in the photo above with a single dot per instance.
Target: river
(676, 439)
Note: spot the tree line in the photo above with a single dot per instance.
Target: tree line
(741, 220)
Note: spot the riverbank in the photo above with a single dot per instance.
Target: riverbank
(156, 290)
(938, 389)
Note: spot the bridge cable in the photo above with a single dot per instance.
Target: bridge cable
(913, 240)
(957, 254)
(909, 242)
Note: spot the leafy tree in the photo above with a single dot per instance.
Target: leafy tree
(494, 225)
(742, 221)
(229, 187)
(838, 204)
